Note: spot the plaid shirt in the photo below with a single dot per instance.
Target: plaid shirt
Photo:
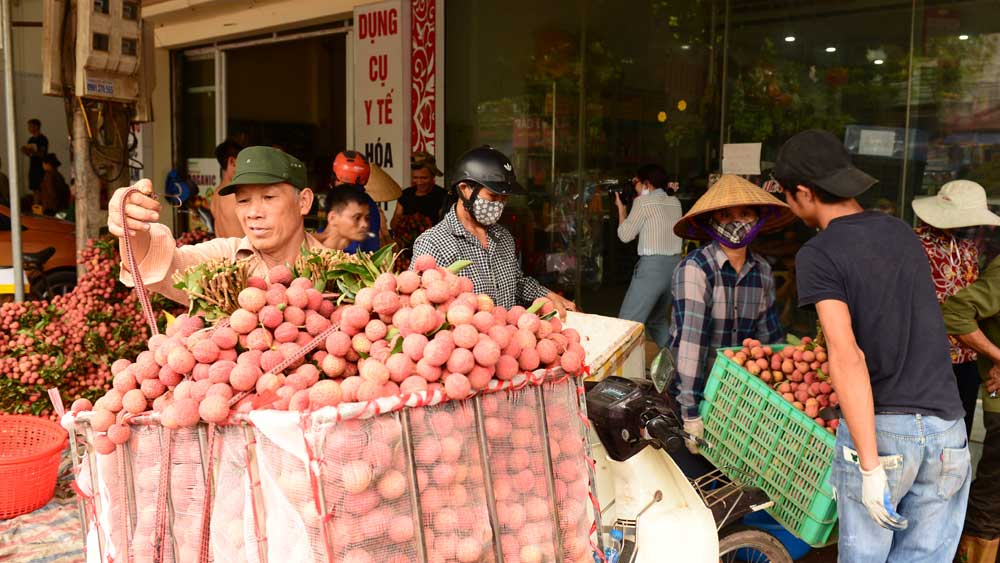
(494, 270)
(714, 307)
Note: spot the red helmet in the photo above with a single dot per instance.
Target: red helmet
(351, 167)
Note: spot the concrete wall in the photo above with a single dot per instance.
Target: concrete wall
(29, 101)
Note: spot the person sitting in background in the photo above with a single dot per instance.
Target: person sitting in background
(955, 264)
(351, 167)
(53, 195)
(652, 219)
(424, 197)
(223, 207)
(723, 293)
(972, 315)
(347, 221)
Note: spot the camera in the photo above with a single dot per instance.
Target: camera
(623, 187)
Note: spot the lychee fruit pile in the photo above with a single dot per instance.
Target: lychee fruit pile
(288, 347)
(800, 374)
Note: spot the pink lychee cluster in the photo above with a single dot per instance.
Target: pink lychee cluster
(288, 347)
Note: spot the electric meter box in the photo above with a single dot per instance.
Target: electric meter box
(108, 49)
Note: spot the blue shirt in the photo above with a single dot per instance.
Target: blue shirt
(370, 244)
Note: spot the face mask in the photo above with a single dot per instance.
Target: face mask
(734, 235)
(487, 212)
(645, 191)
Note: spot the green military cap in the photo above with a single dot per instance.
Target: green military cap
(266, 165)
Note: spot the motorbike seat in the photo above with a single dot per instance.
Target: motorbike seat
(38, 259)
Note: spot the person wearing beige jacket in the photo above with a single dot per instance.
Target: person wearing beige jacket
(271, 199)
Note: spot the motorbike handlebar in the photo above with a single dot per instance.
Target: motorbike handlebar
(668, 433)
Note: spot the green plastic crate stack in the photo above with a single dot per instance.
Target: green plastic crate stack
(754, 434)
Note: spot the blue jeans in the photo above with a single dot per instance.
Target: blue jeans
(648, 298)
(927, 463)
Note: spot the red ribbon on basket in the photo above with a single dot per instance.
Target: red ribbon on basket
(206, 513)
(89, 506)
(160, 524)
(315, 484)
(133, 266)
(253, 501)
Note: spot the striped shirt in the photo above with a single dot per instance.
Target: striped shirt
(714, 307)
(494, 270)
(652, 218)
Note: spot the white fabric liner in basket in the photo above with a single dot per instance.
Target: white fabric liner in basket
(288, 475)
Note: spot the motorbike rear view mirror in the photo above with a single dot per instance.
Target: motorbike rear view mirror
(662, 370)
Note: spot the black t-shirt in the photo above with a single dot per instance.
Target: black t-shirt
(875, 264)
(35, 170)
(428, 205)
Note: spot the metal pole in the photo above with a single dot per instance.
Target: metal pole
(550, 478)
(904, 187)
(15, 194)
(581, 152)
(484, 456)
(722, 83)
(403, 417)
(77, 462)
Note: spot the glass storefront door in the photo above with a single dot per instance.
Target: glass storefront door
(582, 93)
(287, 91)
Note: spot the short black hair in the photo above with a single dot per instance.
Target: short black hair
(654, 174)
(789, 184)
(225, 150)
(340, 197)
(35, 121)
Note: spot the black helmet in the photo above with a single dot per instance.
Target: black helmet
(487, 167)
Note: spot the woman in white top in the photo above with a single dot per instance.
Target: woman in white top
(652, 219)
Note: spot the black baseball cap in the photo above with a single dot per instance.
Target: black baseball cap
(266, 165)
(818, 157)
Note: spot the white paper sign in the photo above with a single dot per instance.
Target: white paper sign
(204, 172)
(381, 116)
(876, 142)
(741, 158)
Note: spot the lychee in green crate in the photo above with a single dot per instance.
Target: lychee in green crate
(755, 433)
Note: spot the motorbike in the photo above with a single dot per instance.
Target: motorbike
(656, 513)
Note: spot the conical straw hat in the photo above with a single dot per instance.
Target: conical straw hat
(731, 191)
(381, 187)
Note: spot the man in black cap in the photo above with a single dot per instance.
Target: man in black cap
(271, 199)
(901, 455)
(483, 179)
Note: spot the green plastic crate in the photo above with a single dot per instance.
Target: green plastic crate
(757, 434)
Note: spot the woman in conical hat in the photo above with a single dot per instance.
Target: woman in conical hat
(723, 292)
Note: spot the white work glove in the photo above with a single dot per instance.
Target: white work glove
(877, 499)
(693, 427)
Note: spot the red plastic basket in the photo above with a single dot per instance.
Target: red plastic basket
(30, 451)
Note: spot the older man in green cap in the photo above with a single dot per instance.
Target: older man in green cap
(271, 198)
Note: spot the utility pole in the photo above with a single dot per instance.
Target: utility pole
(12, 156)
(88, 185)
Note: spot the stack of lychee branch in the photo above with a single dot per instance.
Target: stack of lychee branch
(419, 330)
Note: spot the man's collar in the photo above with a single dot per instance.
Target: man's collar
(454, 224)
(245, 249)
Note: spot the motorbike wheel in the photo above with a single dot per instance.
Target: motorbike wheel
(59, 282)
(749, 545)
